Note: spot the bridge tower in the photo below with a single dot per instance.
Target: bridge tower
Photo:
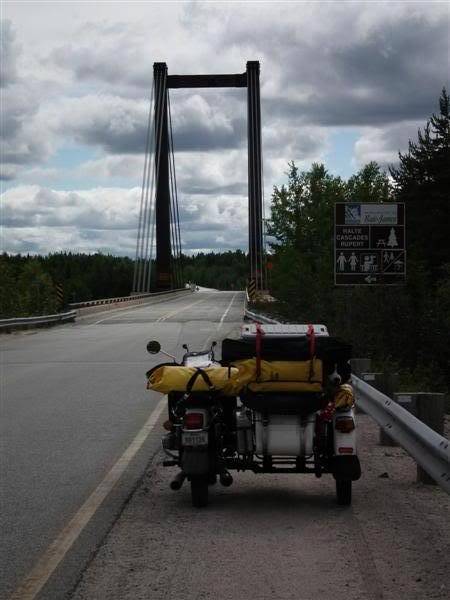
(162, 83)
(162, 196)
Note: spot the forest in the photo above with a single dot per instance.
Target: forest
(403, 328)
(29, 281)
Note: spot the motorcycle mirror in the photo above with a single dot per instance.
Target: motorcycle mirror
(185, 346)
(153, 347)
(213, 344)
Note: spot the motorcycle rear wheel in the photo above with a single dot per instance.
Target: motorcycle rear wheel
(199, 491)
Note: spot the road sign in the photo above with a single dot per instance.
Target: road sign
(251, 290)
(59, 294)
(369, 244)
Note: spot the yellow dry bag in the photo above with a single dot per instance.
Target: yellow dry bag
(280, 376)
(175, 378)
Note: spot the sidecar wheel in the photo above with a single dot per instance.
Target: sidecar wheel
(344, 492)
(199, 491)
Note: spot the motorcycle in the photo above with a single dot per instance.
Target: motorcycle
(258, 410)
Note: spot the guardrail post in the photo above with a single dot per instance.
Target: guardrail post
(429, 408)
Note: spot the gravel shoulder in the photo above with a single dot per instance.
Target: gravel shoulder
(281, 537)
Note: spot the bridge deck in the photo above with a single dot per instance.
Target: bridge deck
(73, 399)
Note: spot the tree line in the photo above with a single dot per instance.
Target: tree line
(28, 282)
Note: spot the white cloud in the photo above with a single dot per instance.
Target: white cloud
(101, 208)
(81, 73)
(382, 145)
(42, 220)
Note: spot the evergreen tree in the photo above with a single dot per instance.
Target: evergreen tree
(37, 294)
(422, 181)
(370, 184)
(301, 223)
(9, 297)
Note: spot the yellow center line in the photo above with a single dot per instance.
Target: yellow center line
(175, 312)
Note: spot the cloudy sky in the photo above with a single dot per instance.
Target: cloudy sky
(342, 83)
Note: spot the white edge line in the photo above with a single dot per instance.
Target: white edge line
(46, 565)
(226, 312)
(209, 339)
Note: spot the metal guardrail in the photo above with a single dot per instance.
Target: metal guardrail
(25, 322)
(89, 303)
(429, 449)
(260, 318)
(17, 323)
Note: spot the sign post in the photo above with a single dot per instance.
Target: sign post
(369, 244)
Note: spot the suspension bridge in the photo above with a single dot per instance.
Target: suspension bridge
(83, 509)
(158, 259)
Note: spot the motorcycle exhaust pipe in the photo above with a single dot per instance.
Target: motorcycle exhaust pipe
(178, 481)
(226, 479)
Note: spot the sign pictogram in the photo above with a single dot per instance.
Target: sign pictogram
(369, 244)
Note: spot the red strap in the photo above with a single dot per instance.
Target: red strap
(312, 340)
(258, 345)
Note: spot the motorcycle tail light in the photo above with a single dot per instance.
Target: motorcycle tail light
(344, 450)
(344, 424)
(193, 421)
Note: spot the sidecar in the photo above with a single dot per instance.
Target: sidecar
(298, 404)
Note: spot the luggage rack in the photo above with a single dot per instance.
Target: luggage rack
(281, 330)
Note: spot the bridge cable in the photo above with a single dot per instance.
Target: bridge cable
(172, 225)
(171, 207)
(141, 212)
(263, 248)
(159, 113)
(147, 253)
(176, 204)
(147, 212)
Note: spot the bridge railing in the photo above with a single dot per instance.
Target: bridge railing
(428, 448)
(122, 299)
(79, 309)
(17, 323)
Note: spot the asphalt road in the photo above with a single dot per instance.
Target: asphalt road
(73, 399)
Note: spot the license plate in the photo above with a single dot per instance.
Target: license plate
(197, 438)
